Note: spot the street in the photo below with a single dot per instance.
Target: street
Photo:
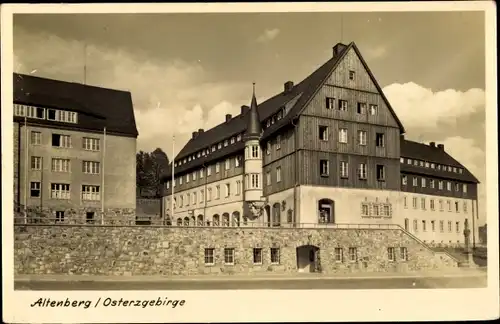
(374, 283)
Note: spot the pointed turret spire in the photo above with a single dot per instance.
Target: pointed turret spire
(254, 129)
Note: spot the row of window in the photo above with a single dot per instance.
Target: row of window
(433, 226)
(62, 191)
(207, 151)
(64, 141)
(42, 113)
(432, 203)
(324, 135)
(432, 165)
(432, 183)
(353, 254)
(64, 165)
(275, 118)
(185, 199)
(343, 105)
(324, 168)
(376, 209)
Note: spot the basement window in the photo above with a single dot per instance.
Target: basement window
(90, 218)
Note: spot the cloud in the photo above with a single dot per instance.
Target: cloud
(171, 96)
(268, 35)
(376, 52)
(420, 109)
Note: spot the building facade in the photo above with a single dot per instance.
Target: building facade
(67, 138)
(327, 151)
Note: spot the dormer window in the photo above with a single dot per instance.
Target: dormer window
(189, 159)
(238, 138)
(219, 146)
(232, 140)
(226, 143)
(268, 123)
(198, 155)
(213, 148)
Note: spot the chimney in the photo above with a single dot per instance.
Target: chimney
(402, 137)
(195, 134)
(288, 86)
(338, 49)
(244, 109)
(441, 146)
(228, 117)
(200, 130)
(432, 144)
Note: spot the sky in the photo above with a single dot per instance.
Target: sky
(186, 71)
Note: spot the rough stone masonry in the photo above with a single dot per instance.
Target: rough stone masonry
(149, 250)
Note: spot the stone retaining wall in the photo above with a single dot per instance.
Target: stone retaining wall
(149, 250)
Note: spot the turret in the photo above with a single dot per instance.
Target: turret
(253, 192)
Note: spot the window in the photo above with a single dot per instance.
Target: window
(59, 216)
(440, 185)
(209, 195)
(226, 143)
(229, 256)
(194, 175)
(343, 105)
(180, 180)
(344, 169)
(19, 110)
(390, 254)
(330, 103)
(268, 178)
(380, 139)
(252, 181)
(424, 226)
(36, 163)
(35, 189)
(362, 171)
(323, 133)
(449, 226)
(423, 182)
(465, 207)
(362, 137)
(233, 140)
(448, 186)
(217, 192)
(404, 180)
(432, 204)
(353, 254)
(433, 226)
(257, 256)
(343, 135)
(209, 256)
(373, 109)
(187, 178)
(201, 173)
(361, 108)
(268, 147)
(403, 253)
(227, 164)
(324, 168)
(217, 167)
(275, 255)
(209, 171)
(238, 187)
(278, 142)
(35, 112)
(228, 189)
(351, 75)
(36, 138)
(59, 140)
(441, 207)
(91, 167)
(415, 181)
(61, 115)
(255, 151)
(458, 227)
(188, 199)
(464, 188)
(168, 184)
(457, 187)
(376, 210)
(414, 202)
(202, 195)
(219, 146)
(422, 203)
(432, 183)
(449, 205)
(380, 172)
(408, 161)
(90, 193)
(59, 191)
(237, 161)
(415, 225)
(91, 144)
(405, 201)
(195, 197)
(421, 163)
(407, 224)
(89, 219)
(441, 226)
(60, 165)
(457, 209)
(278, 174)
(427, 164)
(339, 255)
(387, 210)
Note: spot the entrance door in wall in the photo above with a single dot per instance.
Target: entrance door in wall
(307, 258)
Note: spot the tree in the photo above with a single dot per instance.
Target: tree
(160, 162)
(141, 181)
(150, 168)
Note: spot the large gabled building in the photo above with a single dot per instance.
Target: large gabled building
(328, 150)
(74, 152)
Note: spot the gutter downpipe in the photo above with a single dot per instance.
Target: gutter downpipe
(295, 202)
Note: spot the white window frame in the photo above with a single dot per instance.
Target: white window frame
(278, 174)
(362, 172)
(274, 255)
(60, 191)
(60, 165)
(35, 138)
(91, 193)
(229, 256)
(344, 169)
(209, 256)
(36, 163)
(362, 137)
(94, 167)
(343, 135)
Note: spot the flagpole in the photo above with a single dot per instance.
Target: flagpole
(173, 178)
(102, 177)
(26, 159)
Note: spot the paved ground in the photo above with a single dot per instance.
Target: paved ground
(382, 282)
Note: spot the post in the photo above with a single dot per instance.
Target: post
(173, 178)
(26, 161)
(102, 176)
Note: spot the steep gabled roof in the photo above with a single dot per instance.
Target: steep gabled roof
(113, 107)
(423, 152)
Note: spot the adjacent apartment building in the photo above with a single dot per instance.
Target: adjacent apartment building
(329, 150)
(74, 151)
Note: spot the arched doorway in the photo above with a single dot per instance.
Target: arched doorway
(200, 220)
(225, 219)
(326, 211)
(179, 221)
(186, 221)
(216, 220)
(236, 219)
(308, 259)
(276, 214)
(268, 215)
